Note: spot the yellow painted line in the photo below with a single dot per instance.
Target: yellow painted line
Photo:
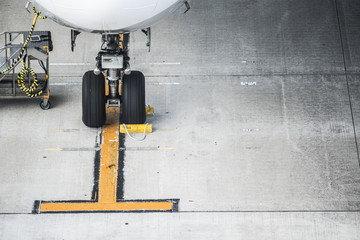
(109, 157)
(116, 206)
(55, 130)
(53, 149)
(166, 130)
(136, 128)
(165, 148)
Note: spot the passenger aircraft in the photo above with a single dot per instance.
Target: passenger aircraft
(114, 19)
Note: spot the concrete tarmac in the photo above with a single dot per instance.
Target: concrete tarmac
(256, 127)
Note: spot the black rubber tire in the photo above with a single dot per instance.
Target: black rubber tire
(45, 107)
(93, 99)
(133, 98)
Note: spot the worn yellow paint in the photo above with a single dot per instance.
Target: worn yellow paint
(116, 206)
(109, 157)
(106, 89)
(136, 128)
(55, 130)
(106, 84)
(47, 49)
(169, 148)
(150, 111)
(121, 39)
(53, 149)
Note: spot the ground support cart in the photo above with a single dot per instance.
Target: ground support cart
(36, 51)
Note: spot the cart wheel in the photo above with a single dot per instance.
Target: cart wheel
(45, 106)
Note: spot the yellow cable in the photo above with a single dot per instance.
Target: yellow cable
(30, 91)
(37, 15)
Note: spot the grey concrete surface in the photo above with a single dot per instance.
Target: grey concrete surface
(354, 88)
(272, 136)
(349, 15)
(29, 169)
(178, 226)
(257, 105)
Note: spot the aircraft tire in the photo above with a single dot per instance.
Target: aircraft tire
(93, 99)
(133, 98)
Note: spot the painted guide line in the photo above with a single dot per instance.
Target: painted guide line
(108, 191)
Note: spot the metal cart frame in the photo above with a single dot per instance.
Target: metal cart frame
(36, 50)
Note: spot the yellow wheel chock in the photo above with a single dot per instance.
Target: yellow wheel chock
(139, 128)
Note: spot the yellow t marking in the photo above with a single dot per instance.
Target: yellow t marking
(109, 163)
(109, 157)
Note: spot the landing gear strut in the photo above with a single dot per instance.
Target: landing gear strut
(113, 62)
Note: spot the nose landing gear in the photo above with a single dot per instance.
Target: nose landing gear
(113, 57)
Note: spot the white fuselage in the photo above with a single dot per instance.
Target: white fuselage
(107, 15)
